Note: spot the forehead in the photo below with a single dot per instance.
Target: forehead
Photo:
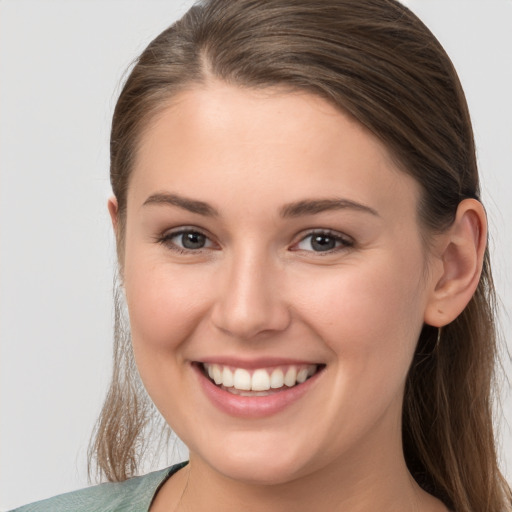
(262, 144)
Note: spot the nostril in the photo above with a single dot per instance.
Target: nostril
(249, 323)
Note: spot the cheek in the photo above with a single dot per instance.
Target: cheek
(164, 312)
(164, 303)
(369, 315)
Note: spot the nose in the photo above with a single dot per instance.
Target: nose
(250, 298)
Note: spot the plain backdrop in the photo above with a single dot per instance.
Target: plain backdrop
(61, 65)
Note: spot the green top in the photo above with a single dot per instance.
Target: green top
(132, 495)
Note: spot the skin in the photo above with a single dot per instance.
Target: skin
(259, 289)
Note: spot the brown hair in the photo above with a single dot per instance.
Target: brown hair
(377, 61)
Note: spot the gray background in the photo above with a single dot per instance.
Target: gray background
(61, 62)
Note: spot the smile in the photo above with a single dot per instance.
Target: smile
(259, 381)
(253, 390)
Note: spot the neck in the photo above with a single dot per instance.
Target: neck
(311, 492)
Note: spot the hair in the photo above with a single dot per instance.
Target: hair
(376, 61)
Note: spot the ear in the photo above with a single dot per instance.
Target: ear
(113, 209)
(459, 259)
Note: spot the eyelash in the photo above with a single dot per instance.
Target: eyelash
(166, 239)
(343, 241)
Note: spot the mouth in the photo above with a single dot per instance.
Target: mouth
(255, 389)
(259, 382)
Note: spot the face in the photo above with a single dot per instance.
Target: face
(276, 282)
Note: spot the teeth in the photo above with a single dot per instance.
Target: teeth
(217, 375)
(302, 375)
(277, 379)
(227, 377)
(242, 379)
(261, 379)
(290, 377)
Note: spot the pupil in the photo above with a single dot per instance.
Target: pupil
(193, 240)
(323, 243)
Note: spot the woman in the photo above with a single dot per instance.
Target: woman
(303, 253)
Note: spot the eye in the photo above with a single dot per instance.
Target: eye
(323, 242)
(186, 240)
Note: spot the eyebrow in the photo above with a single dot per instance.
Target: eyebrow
(314, 206)
(191, 205)
(296, 209)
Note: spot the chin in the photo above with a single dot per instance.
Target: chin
(259, 462)
(254, 471)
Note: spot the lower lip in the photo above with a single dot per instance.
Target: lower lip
(253, 406)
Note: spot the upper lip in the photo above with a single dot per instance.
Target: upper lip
(261, 362)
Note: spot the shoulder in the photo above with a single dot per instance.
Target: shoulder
(132, 495)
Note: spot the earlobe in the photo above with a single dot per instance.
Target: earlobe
(113, 209)
(461, 259)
